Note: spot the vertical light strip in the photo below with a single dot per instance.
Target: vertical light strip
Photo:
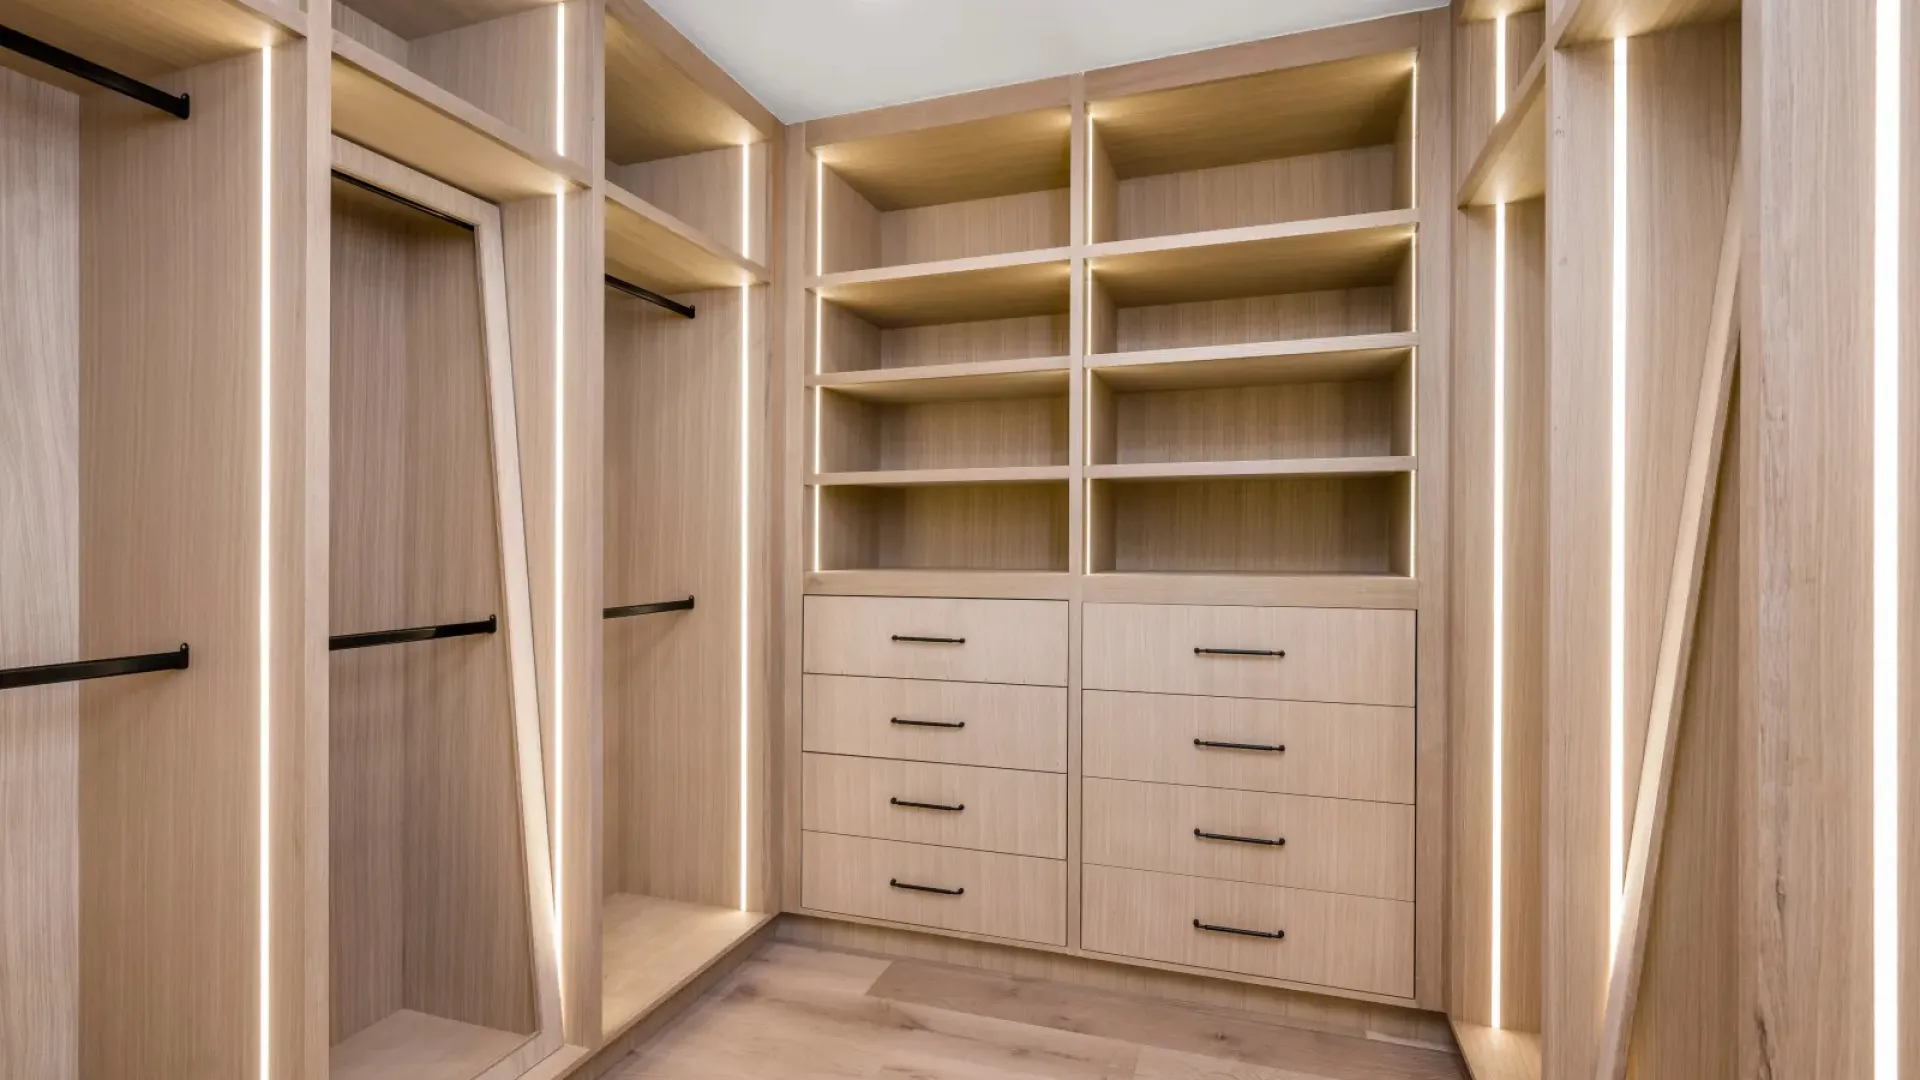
(266, 563)
(1886, 541)
(1496, 907)
(819, 262)
(1413, 315)
(1617, 577)
(559, 505)
(746, 506)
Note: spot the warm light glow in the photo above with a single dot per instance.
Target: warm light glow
(1886, 541)
(819, 216)
(746, 200)
(1500, 67)
(560, 78)
(559, 506)
(819, 261)
(266, 563)
(1497, 887)
(1092, 196)
(746, 503)
(1617, 598)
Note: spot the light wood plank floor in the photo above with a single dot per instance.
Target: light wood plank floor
(807, 1014)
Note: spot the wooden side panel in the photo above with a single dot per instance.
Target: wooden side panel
(704, 190)
(39, 561)
(506, 66)
(673, 682)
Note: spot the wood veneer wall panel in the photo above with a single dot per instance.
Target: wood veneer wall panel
(946, 527)
(1331, 184)
(1372, 310)
(963, 343)
(851, 240)
(170, 785)
(1909, 687)
(704, 191)
(505, 65)
(39, 561)
(1029, 221)
(1305, 420)
(1278, 526)
(673, 529)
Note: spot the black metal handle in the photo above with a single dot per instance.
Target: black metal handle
(631, 610)
(54, 57)
(1212, 744)
(1274, 653)
(896, 883)
(48, 674)
(919, 639)
(1278, 841)
(1271, 935)
(951, 808)
(951, 725)
(342, 642)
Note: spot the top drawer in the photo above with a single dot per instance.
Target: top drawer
(998, 641)
(1330, 654)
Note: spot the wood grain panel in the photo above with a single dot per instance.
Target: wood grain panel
(1008, 154)
(1331, 184)
(960, 526)
(1007, 896)
(858, 436)
(704, 191)
(992, 226)
(1289, 525)
(1363, 657)
(673, 683)
(1004, 726)
(974, 342)
(1324, 314)
(150, 40)
(1004, 641)
(1339, 751)
(1345, 941)
(39, 560)
(1019, 285)
(418, 18)
(1243, 423)
(987, 380)
(1292, 257)
(1332, 845)
(655, 947)
(654, 109)
(648, 247)
(506, 67)
(1005, 810)
(411, 1045)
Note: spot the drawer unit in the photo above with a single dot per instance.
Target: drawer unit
(1006, 896)
(1007, 727)
(1296, 747)
(1004, 810)
(991, 641)
(1335, 845)
(1351, 942)
(1299, 654)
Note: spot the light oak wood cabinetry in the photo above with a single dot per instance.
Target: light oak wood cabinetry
(978, 892)
(996, 641)
(1004, 727)
(1020, 813)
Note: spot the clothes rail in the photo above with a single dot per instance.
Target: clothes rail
(46, 674)
(342, 642)
(648, 609)
(651, 297)
(55, 57)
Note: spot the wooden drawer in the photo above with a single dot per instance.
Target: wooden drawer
(1335, 845)
(1007, 896)
(994, 641)
(1006, 727)
(1019, 813)
(1331, 654)
(1339, 751)
(1352, 942)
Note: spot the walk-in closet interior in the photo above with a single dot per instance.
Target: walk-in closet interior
(658, 539)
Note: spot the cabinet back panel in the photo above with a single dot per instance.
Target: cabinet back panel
(1258, 193)
(1290, 526)
(948, 527)
(1241, 423)
(1372, 310)
(995, 226)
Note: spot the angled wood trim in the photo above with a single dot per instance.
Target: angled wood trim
(1388, 34)
(1053, 93)
(1676, 651)
(515, 582)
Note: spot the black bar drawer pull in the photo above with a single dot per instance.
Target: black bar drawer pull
(1271, 935)
(921, 639)
(1210, 744)
(1277, 654)
(1278, 841)
(896, 883)
(951, 808)
(950, 725)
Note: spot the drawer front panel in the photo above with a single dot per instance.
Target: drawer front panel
(1332, 845)
(1352, 942)
(1018, 813)
(1007, 727)
(1007, 896)
(994, 641)
(1339, 751)
(1330, 654)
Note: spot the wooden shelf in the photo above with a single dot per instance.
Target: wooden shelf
(150, 38)
(980, 381)
(649, 247)
(962, 584)
(1291, 257)
(414, 1046)
(1391, 591)
(1588, 21)
(1209, 470)
(1512, 165)
(383, 106)
(1292, 111)
(663, 98)
(955, 291)
(977, 159)
(1031, 474)
(651, 949)
(1493, 1054)
(1366, 356)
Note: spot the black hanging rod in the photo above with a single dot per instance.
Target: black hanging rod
(648, 609)
(15, 678)
(376, 189)
(683, 310)
(341, 642)
(55, 57)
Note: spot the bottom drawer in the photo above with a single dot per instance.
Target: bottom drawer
(1352, 942)
(1008, 896)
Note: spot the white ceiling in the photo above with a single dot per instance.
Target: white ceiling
(806, 59)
